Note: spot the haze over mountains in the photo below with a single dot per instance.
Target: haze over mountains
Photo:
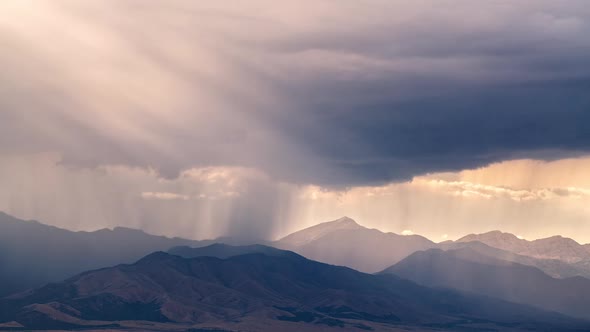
(553, 267)
(555, 247)
(340, 242)
(32, 254)
(467, 270)
(480, 281)
(232, 125)
(254, 289)
(344, 242)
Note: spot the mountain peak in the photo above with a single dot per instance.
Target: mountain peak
(558, 238)
(554, 247)
(334, 225)
(490, 236)
(315, 232)
(346, 221)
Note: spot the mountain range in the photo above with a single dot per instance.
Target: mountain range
(344, 242)
(553, 267)
(490, 281)
(32, 254)
(467, 270)
(262, 292)
(555, 247)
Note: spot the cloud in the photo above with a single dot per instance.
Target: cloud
(319, 93)
(519, 180)
(245, 203)
(273, 116)
(531, 174)
(475, 190)
(407, 232)
(163, 196)
(201, 203)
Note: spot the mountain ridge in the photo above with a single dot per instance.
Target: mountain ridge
(33, 253)
(465, 269)
(345, 242)
(553, 247)
(292, 290)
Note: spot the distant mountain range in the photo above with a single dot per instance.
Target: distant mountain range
(467, 270)
(553, 267)
(344, 242)
(32, 254)
(555, 247)
(260, 289)
(490, 281)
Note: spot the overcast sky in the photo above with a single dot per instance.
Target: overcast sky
(257, 118)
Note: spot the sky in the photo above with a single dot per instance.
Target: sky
(255, 119)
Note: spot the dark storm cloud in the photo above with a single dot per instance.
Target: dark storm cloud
(465, 128)
(329, 93)
(465, 95)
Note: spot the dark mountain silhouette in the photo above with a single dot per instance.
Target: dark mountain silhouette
(344, 242)
(222, 250)
(164, 289)
(32, 254)
(467, 270)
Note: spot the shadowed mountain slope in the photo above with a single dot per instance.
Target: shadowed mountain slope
(32, 254)
(221, 250)
(166, 288)
(467, 270)
(553, 267)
